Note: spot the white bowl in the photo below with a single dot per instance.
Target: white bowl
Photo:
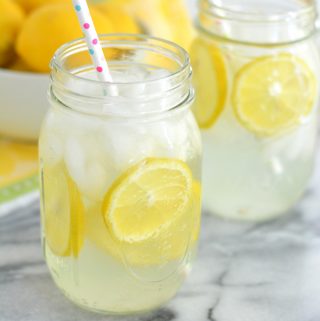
(23, 103)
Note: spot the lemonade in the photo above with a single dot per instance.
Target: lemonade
(256, 75)
(120, 173)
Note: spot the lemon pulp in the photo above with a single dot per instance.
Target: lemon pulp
(147, 198)
(150, 215)
(63, 215)
(210, 82)
(273, 93)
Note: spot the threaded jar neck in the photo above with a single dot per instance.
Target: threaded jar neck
(258, 21)
(150, 76)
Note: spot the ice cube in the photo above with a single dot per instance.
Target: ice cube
(126, 143)
(52, 140)
(176, 136)
(98, 180)
(158, 81)
(88, 166)
(296, 143)
(75, 160)
(51, 147)
(132, 91)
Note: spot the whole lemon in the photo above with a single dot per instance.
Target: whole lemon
(11, 19)
(179, 20)
(167, 19)
(29, 5)
(119, 16)
(19, 65)
(49, 27)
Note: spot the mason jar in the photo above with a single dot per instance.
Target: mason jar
(256, 75)
(120, 174)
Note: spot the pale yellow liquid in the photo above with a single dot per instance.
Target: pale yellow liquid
(114, 277)
(99, 282)
(246, 176)
(107, 275)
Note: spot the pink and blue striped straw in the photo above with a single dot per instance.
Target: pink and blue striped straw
(92, 40)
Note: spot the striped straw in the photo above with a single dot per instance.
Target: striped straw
(92, 40)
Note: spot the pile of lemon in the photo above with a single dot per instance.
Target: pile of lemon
(32, 30)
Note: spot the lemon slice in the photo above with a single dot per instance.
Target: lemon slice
(197, 210)
(273, 93)
(171, 243)
(77, 218)
(118, 15)
(147, 198)
(210, 82)
(63, 212)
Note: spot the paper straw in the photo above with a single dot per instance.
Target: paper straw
(92, 40)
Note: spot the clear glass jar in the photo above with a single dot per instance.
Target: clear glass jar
(256, 76)
(120, 173)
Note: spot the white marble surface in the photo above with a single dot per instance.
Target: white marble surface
(244, 272)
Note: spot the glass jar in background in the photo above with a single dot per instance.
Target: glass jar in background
(256, 75)
(120, 175)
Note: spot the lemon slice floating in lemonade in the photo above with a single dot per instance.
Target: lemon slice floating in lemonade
(147, 198)
(273, 93)
(173, 239)
(63, 212)
(197, 207)
(210, 82)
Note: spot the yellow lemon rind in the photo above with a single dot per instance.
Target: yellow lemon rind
(75, 221)
(133, 174)
(218, 67)
(249, 125)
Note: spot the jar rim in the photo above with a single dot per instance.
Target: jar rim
(117, 37)
(165, 91)
(258, 23)
(219, 9)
